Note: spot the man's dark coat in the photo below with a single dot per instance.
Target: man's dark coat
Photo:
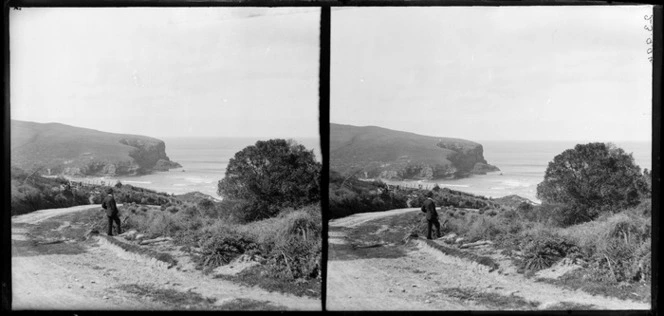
(429, 207)
(109, 205)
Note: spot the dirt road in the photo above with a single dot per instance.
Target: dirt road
(426, 279)
(94, 275)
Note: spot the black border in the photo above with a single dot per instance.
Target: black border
(315, 3)
(324, 103)
(324, 126)
(656, 152)
(5, 286)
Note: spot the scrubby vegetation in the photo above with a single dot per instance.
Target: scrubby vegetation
(282, 233)
(349, 195)
(614, 251)
(288, 245)
(273, 218)
(610, 238)
(31, 192)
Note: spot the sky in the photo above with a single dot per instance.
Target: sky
(494, 73)
(168, 72)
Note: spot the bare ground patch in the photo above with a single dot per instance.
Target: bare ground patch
(170, 297)
(483, 260)
(257, 276)
(45, 239)
(163, 259)
(575, 280)
(245, 304)
(489, 299)
(27, 248)
(568, 306)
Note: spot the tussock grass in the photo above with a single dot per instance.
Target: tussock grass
(596, 236)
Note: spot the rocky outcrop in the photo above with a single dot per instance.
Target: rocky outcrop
(165, 165)
(375, 152)
(483, 168)
(149, 154)
(61, 149)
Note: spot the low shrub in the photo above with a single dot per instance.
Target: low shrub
(299, 243)
(546, 249)
(223, 247)
(172, 209)
(485, 228)
(289, 242)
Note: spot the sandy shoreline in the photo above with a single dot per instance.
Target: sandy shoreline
(135, 183)
(482, 185)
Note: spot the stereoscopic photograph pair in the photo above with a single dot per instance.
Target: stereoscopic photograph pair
(331, 157)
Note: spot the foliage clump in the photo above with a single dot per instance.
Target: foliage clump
(592, 179)
(269, 176)
(349, 195)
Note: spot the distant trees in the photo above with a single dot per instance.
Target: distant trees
(593, 178)
(269, 176)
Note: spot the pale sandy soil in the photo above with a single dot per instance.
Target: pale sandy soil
(91, 280)
(421, 279)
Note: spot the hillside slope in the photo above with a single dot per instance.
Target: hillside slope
(373, 151)
(64, 149)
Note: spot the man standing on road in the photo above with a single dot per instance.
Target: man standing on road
(429, 207)
(111, 211)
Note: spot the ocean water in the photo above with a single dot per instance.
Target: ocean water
(522, 165)
(203, 161)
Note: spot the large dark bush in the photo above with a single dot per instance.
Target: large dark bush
(593, 178)
(272, 175)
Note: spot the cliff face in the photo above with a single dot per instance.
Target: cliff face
(467, 159)
(62, 149)
(375, 152)
(149, 154)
